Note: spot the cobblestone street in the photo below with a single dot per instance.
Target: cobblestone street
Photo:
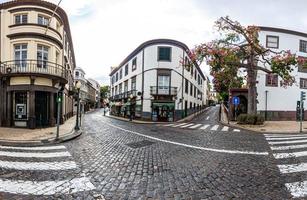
(122, 160)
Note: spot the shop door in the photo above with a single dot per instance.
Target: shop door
(163, 113)
(41, 109)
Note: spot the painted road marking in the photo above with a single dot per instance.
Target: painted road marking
(168, 124)
(38, 165)
(215, 127)
(208, 118)
(180, 124)
(196, 126)
(34, 148)
(225, 128)
(46, 187)
(297, 189)
(34, 155)
(290, 155)
(289, 147)
(283, 135)
(236, 130)
(285, 138)
(302, 167)
(204, 127)
(289, 142)
(184, 126)
(192, 146)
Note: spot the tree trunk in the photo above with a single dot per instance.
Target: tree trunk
(252, 89)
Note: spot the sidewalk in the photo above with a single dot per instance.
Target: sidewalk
(37, 137)
(268, 126)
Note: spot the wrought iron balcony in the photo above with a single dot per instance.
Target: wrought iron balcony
(33, 67)
(163, 90)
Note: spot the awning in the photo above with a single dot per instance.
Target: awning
(160, 104)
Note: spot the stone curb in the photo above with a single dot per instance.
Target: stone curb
(31, 143)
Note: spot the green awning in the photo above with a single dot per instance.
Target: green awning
(170, 105)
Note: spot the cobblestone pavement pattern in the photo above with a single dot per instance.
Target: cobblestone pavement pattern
(122, 160)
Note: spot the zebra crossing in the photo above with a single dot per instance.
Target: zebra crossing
(208, 127)
(50, 160)
(290, 152)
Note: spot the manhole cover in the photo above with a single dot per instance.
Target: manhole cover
(139, 144)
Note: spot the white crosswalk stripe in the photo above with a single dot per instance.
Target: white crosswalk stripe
(199, 126)
(48, 165)
(214, 128)
(195, 126)
(225, 128)
(290, 146)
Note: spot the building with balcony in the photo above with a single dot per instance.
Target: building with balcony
(152, 83)
(37, 60)
(79, 76)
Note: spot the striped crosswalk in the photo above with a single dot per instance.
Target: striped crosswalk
(288, 150)
(48, 160)
(207, 127)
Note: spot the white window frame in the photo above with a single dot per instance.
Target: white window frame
(45, 20)
(21, 58)
(43, 60)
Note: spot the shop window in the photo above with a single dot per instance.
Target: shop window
(21, 105)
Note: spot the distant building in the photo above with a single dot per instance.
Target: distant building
(37, 60)
(79, 76)
(96, 85)
(152, 83)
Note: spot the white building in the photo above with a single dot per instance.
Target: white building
(277, 102)
(152, 83)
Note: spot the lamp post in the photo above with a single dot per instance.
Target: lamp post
(130, 98)
(78, 86)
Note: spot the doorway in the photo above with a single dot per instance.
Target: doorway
(41, 109)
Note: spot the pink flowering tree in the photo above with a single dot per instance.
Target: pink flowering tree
(237, 50)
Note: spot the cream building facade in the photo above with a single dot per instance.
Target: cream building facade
(37, 61)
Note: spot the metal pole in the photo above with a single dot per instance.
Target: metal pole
(266, 106)
(301, 116)
(58, 118)
(77, 116)
(81, 108)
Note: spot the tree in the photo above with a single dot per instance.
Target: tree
(239, 50)
(104, 90)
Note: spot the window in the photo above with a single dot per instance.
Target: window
(133, 83)
(42, 56)
(272, 41)
(303, 83)
(134, 64)
(272, 80)
(195, 74)
(116, 77)
(191, 89)
(58, 26)
(186, 86)
(121, 73)
(303, 46)
(191, 105)
(115, 90)
(300, 67)
(42, 20)
(126, 86)
(163, 84)
(77, 74)
(21, 19)
(57, 57)
(20, 51)
(192, 70)
(194, 91)
(120, 88)
(126, 69)
(164, 53)
(21, 105)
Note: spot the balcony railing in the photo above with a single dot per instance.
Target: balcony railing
(163, 90)
(33, 67)
(124, 95)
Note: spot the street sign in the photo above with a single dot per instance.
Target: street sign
(303, 96)
(235, 100)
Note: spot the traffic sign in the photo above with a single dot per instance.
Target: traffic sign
(235, 100)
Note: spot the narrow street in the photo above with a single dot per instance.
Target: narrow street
(121, 160)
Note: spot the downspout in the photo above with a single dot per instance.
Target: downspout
(266, 105)
(182, 86)
(142, 96)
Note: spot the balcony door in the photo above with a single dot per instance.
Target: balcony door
(163, 84)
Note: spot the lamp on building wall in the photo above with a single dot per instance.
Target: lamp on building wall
(78, 86)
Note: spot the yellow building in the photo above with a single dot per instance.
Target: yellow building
(37, 61)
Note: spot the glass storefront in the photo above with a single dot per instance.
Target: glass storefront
(163, 111)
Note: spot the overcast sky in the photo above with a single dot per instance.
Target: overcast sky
(106, 31)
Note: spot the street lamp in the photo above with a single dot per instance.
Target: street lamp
(130, 98)
(78, 86)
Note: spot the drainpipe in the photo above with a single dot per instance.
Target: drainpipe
(266, 105)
